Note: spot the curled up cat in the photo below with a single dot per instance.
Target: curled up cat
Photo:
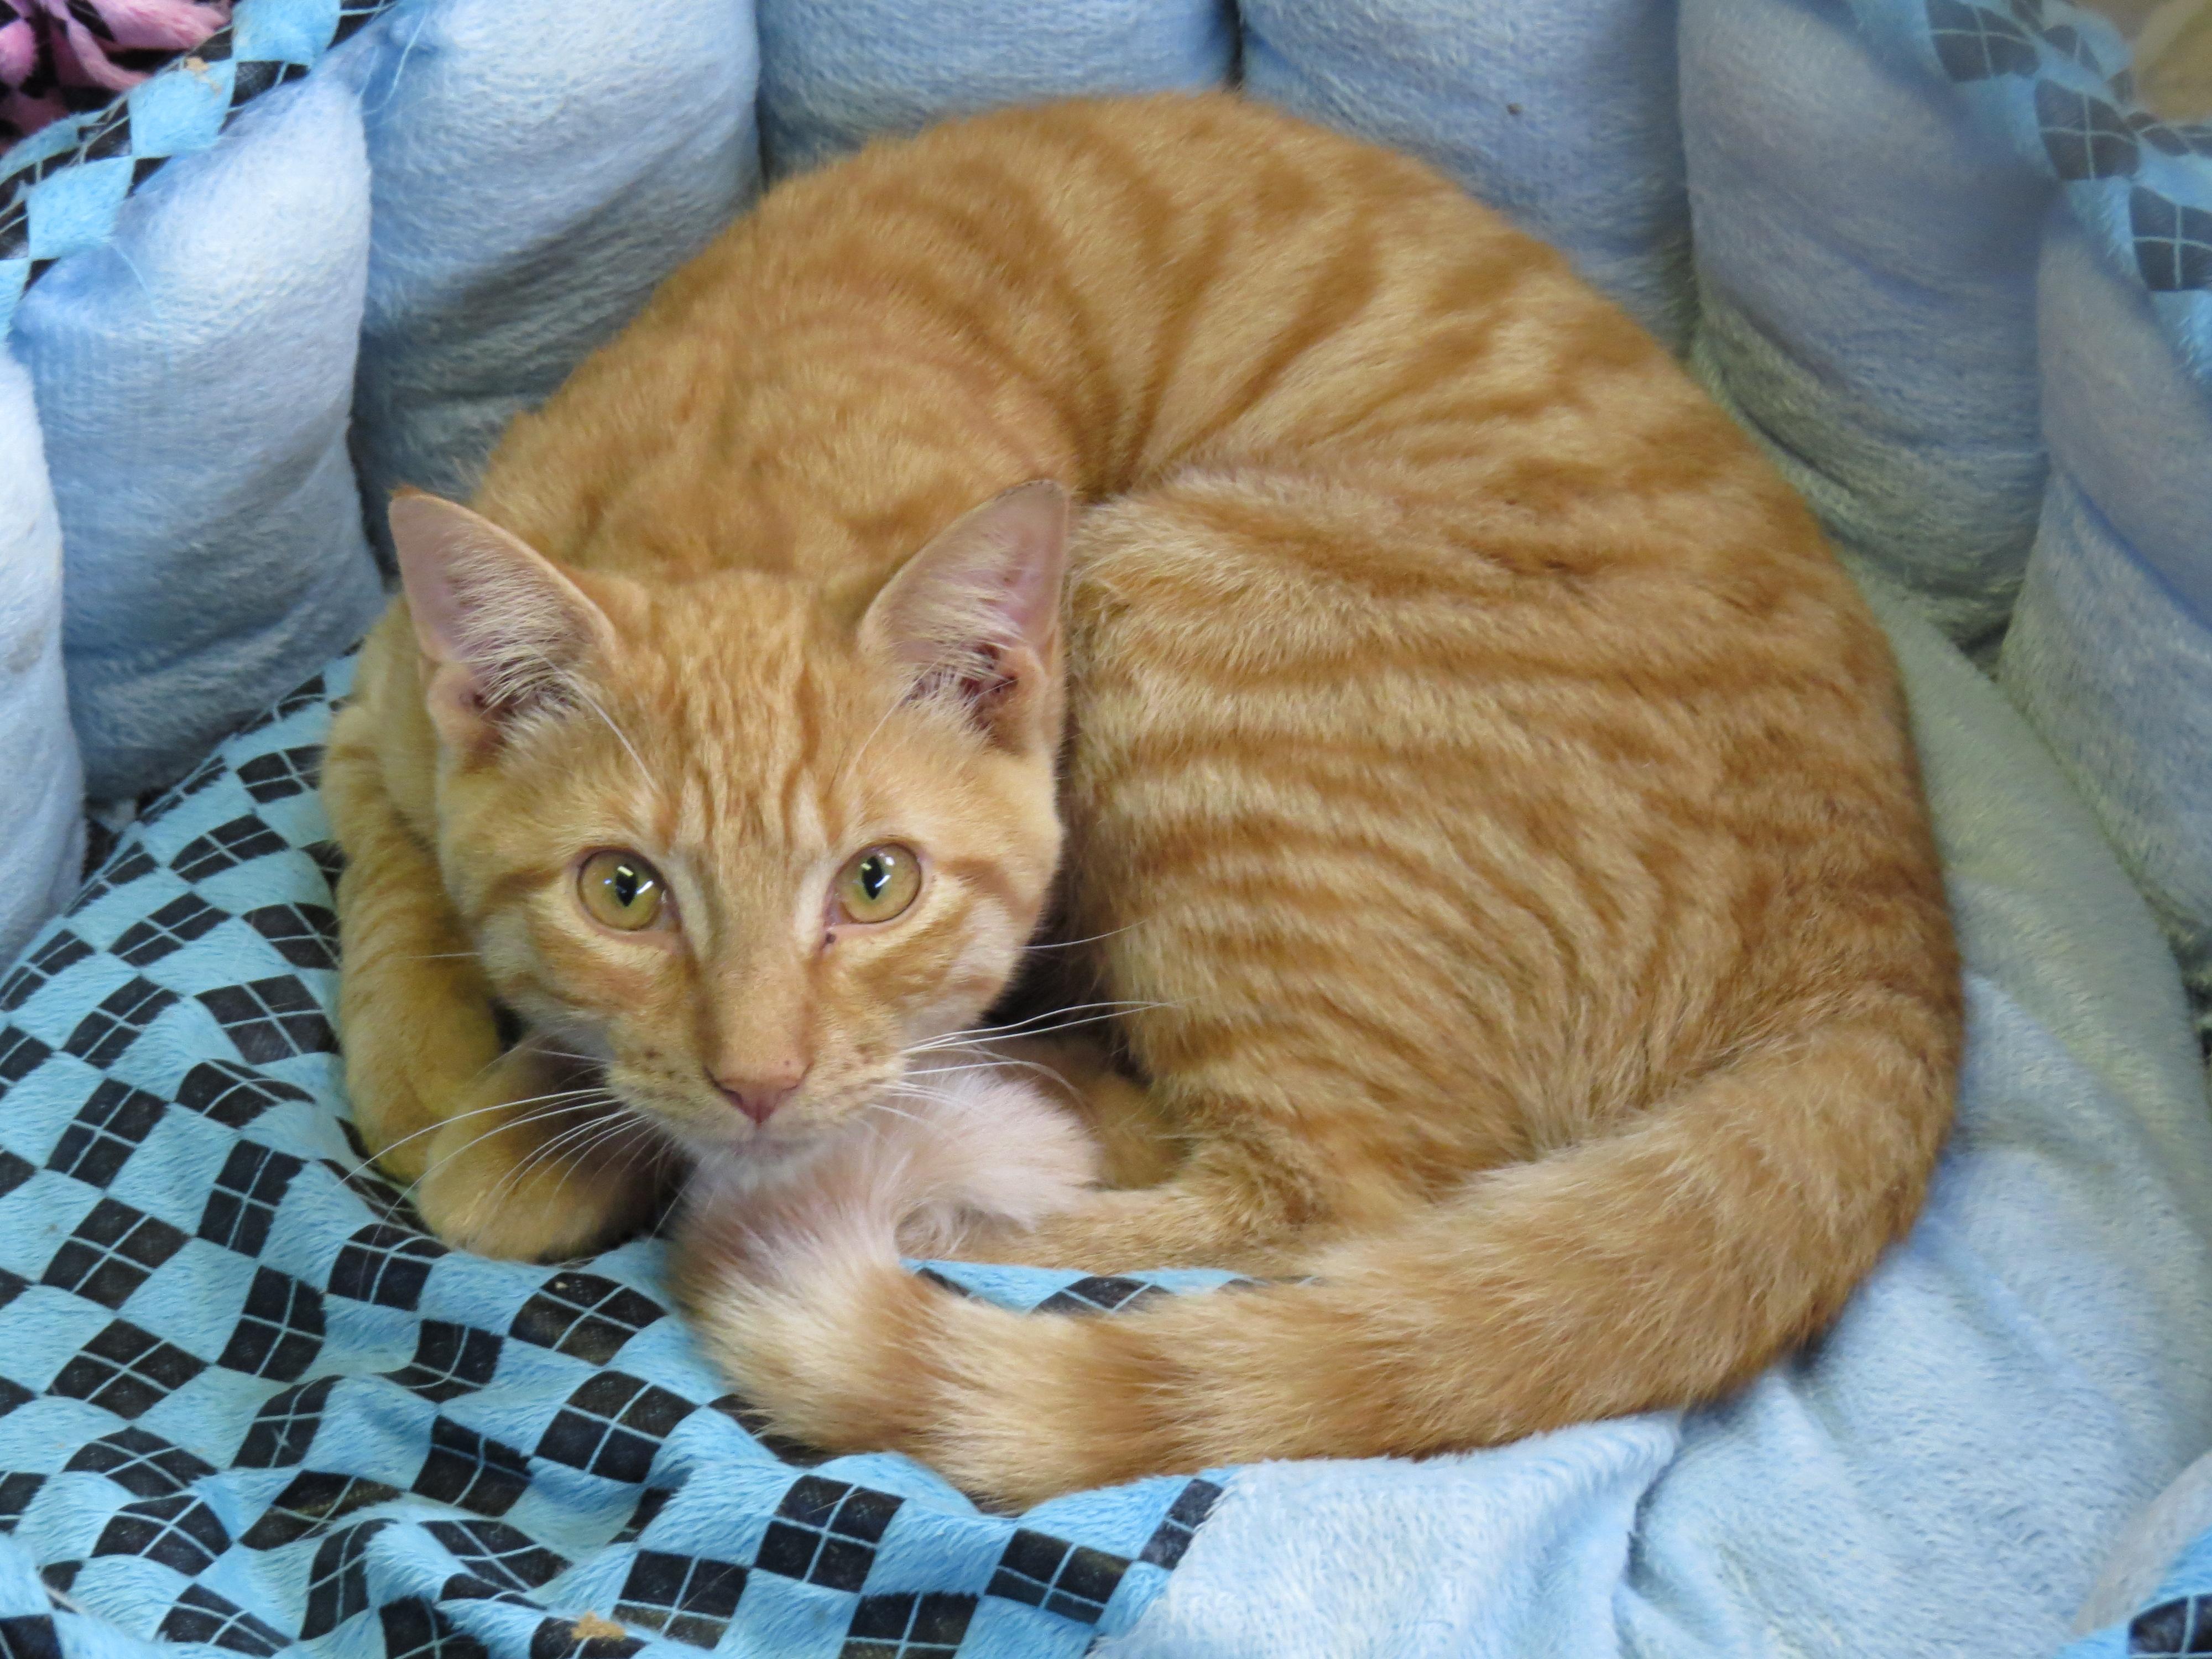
(1205, 576)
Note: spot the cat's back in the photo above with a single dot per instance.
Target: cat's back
(1099, 291)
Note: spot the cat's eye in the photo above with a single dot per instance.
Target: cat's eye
(879, 884)
(621, 891)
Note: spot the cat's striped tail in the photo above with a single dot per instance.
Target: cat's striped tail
(1654, 1268)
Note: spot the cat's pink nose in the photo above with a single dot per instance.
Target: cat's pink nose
(757, 1096)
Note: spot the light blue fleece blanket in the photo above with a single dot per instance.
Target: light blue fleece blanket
(1943, 1474)
(1929, 250)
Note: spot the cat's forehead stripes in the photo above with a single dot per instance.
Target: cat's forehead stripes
(739, 750)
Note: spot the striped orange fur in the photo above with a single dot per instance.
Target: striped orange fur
(1456, 758)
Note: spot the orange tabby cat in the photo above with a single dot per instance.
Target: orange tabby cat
(1488, 812)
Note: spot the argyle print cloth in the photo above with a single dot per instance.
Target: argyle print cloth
(245, 1401)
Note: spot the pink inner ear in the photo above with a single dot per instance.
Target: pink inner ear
(985, 591)
(435, 539)
(979, 679)
(505, 627)
(1028, 525)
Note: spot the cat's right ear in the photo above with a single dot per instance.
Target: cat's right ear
(974, 618)
(503, 631)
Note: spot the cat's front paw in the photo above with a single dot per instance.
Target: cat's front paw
(404, 1069)
(527, 1172)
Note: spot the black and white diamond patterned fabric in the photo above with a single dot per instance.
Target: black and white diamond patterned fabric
(246, 1402)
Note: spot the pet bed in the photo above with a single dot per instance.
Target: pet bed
(1933, 253)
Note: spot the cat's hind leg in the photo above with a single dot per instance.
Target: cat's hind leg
(1214, 1212)
(1272, 806)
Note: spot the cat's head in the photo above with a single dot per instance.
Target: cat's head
(747, 852)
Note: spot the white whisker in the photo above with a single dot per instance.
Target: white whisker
(543, 1114)
(1013, 1027)
(1030, 1027)
(457, 1117)
(587, 1134)
(883, 1106)
(844, 774)
(1088, 938)
(1045, 1074)
(569, 682)
(621, 736)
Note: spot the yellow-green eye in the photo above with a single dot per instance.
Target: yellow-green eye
(621, 891)
(879, 884)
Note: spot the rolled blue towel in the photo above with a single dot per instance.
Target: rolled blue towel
(834, 73)
(40, 824)
(1866, 260)
(2110, 652)
(1564, 116)
(532, 182)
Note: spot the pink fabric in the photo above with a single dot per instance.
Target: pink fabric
(57, 56)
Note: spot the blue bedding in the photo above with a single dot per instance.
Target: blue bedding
(249, 1401)
(1929, 251)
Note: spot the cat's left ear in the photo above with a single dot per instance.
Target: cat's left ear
(975, 616)
(503, 632)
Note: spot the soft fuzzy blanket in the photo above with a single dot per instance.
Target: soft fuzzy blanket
(1930, 250)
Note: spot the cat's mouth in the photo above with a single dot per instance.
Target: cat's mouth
(708, 1127)
(712, 1130)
